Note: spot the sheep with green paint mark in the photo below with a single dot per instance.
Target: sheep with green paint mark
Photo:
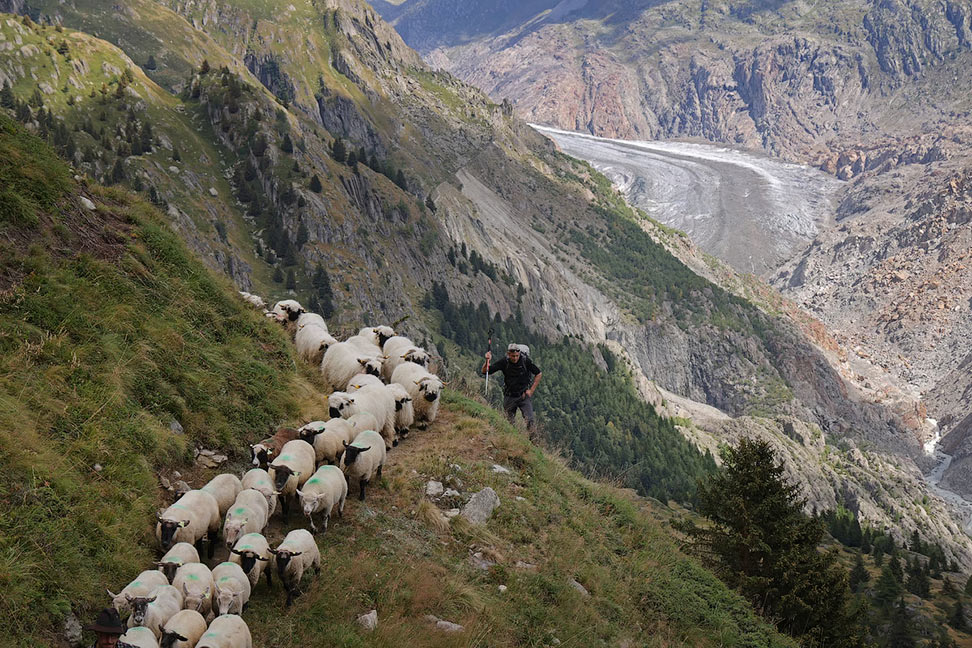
(252, 553)
(259, 480)
(227, 631)
(183, 630)
(231, 589)
(363, 459)
(180, 554)
(288, 472)
(195, 581)
(328, 438)
(144, 584)
(224, 488)
(193, 517)
(138, 637)
(326, 489)
(249, 514)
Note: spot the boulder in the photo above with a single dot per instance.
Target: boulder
(369, 621)
(481, 506)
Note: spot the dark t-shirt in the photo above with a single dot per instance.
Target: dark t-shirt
(517, 377)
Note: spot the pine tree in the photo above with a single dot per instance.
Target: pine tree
(859, 575)
(968, 586)
(917, 582)
(338, 151)
(761, 543)
(400, 180)
(291, 280)
(947, 588)
(117, 172)
(886, 589)
(895, 565)
(151, 64)
(315, 184)
(7, 99)
(322, 285)
(957, 617)
(916, 542)
(287, 145)
(278, 275)
(901, 633)
(352, 160)
(204, 68)
(302, 235)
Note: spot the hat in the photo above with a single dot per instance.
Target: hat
(108, 622)
(513, 347)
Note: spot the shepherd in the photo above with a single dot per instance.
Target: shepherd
(520, 380)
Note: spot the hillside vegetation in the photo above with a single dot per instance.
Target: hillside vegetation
(111, 331)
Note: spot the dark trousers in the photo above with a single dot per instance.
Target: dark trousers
(524, 403)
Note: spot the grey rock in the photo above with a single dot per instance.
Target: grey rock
(451, 493)
(175, 427)
(500, 469)
(580, 588)
(369, 621)
(451, 513)
(97, 467)
(479, 561)
(72, 631)
(481, 506)
(434, 489)
(444, 626)
(502, 589)
(87, 204)
(525, 565)
(213, 192)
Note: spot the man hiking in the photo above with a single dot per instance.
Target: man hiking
(520, 380)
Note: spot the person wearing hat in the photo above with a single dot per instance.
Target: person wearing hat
(520, 380)
(108, 628)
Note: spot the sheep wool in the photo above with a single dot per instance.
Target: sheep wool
(195, 581)
(423, 387)
(296, 554)
(373, 399)
(180, 554)
(252, 553)
(194, 516)
(363, 459)
(249, 514)
(231, 588)
(144, 584)
(404, 412)
(226, 631)
(183, 630)
(326, 489)
(139, 637)
(152, 612)
(259, 480)
(224, 488)
(328, 438)
(343, 361)
(290, 470)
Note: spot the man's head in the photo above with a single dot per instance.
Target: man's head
(513, 352)
(108, 628)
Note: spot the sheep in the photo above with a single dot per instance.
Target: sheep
(249, 514)
(144, 584)
(179, 488)
(287, 310)
(138, 637)
(153, 611)
(362, 421)
(290, 470)
(396, 356)
(259, 480)
(297, 553)
(377, 335)
(365, 345)
(360, 380)
(180, 554)
(231, 589)
(423, 387)
(195, 581)
(226, 631)
(183, 630)
(262, 453)
(374, 399)
(312, 342)
(311, 319)
(224, 488)
(254, 300)
(328, 438)
(193, 517)
(404, 411)
(326, 489)
(364, 459)
(342, 361)
(252, 552)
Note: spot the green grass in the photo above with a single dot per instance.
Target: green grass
(109, 330)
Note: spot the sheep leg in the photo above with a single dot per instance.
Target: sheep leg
(379, 470)
(211, 539)
(284, 508)
(269, 578)
(327, 516)
(362, 483)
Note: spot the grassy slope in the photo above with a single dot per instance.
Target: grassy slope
(109, 330)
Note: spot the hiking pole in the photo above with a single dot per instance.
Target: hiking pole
(489, 348)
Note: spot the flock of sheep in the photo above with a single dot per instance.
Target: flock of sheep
(385, 390)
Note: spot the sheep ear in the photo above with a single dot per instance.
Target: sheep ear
(351, 400)
(346, 444)
(272, 550)
(299, 494)
(362, 361)
(263, 559)
(184, 523)
(236, 551)
(185, 590)
(294, 555)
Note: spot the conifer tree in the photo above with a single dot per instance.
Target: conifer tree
(315, 184)
(322, 286)
(7, 99)
(968, 586)
(204, 68)
(947, 588)
(278, 275)
(886, 589)
(151, 64)
(901, 633)
(956, 618)
(287, 145)
(916, 542)
(338, 151)
(291, 280)
(352, 160)
(859, 575)
(302, 235)
(895, 565)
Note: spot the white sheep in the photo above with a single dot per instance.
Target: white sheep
(404, 411)
(377, 335)
(312, 342)
(194, 517)
(364, 459)
(183, 630)
(328, 438)
(393, 358)
(180, 554)
(343, 361)
(373, 399)
(249, 514)
(254, 300)
(326, 489)
(360, 380)
(262, 453)
(362, 421)
(296, 554)
(311, 319)
(259, 480)
(231, 589)
(287, 310)
(227, 631)
(365, 345)
(153, 611)
(290, 470)
(195, 581)
(144, 584)
(252, 553)
(423, 387)
(138, 637)
(224, 488)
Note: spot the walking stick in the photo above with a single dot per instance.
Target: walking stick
(489, 345)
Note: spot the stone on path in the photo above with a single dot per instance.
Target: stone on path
(481, 506)
(87, 204)
(444, 626)
(369, 621)
(580, 588)
(434, 489)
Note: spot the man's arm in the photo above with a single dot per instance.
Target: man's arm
(494, 367)
(533, 387)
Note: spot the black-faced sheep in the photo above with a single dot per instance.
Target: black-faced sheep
(224, 488)
(195, 581)
(423, 387)
(231, 589)
(377, 335)
(312, 339)
(144, 584)
(253, 300)
(373, 399)
(343, 361)
(259, 480)
(138, 637)
(153, 611)
(180, 554)
(328, 438)
(191, 519)
(227, 631)
(290, 470)
(287, 310)
(252, 553)
(326, 489)
(183, 630)
(248, 514)
(262, 453)
(360, 380)
(404, 412)
(363, 459)
(296, 554)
